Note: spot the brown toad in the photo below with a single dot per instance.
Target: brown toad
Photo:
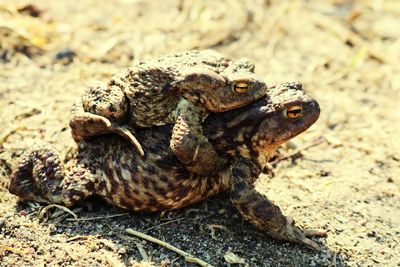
(178, 89)
(108, 166)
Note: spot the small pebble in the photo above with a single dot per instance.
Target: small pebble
(66, 55)
(31, 10)
(23, 213)
(122, 250)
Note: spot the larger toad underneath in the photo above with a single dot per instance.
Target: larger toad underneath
(180, 89)
(110, 167)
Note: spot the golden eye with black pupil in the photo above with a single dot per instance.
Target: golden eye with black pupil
(241, 87)
(294, 112)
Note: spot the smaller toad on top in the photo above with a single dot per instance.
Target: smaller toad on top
(181, 89)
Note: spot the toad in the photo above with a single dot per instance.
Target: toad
(181, 89)
(109, 167)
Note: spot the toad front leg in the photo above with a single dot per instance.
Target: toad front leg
(189, 144)
(100, 111)
(261, 212)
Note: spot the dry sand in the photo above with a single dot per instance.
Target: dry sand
(347, 55)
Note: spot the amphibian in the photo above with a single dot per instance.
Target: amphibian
(109, 167)
(180, 89)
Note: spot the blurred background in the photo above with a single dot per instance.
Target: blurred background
(346, 53)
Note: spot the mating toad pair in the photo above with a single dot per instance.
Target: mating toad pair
(190, 155)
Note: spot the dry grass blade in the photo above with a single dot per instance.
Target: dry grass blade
(346, 34)
(4, 138)
(188, 257)
(97, 218)
(142, 252)
(45, 209)
(11, 249)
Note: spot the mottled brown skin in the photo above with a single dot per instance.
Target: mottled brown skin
(178, 89)
(110, 167)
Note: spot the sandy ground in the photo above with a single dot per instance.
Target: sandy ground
(345, 179)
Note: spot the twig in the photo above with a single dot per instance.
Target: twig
(212, 227)
(298, 151)
(63, 225)
(96, 218)
(142, 252)
(188, 257)
(334, 259)
(174, 260)
(81, 237)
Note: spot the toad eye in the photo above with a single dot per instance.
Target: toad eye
(241, 87)
(294, 112)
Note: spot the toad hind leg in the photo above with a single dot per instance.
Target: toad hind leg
(41, 177)
(262, 213)
(85, 125)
